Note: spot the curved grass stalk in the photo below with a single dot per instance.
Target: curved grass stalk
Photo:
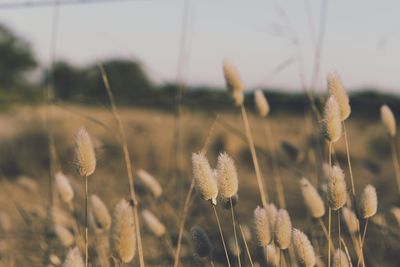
(263, 192)
(128, 164)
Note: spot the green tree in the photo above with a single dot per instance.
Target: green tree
(16, 58)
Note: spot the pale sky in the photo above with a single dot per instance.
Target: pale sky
(362, 38)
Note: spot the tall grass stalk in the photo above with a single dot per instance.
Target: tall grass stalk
(185, 208)
(323, 227)
(263, 192)
(361, 259)
(222, 235)
(346, 141)
(329, 210)
(234, 231)
(127, 160)
(275, 167)
(247, 247)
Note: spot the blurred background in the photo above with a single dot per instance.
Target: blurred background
(164, 61)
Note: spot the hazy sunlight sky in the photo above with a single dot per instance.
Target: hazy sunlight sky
(362, 38)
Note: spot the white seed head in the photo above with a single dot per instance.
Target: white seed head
(262, 228)
(234, 82)
(283, 229)
(272, 255)
(336, 88)
(332, 123)
(227, 178)
(123, 236)
(150, 183)
(303, 249)
(84, 153)
(368, 202)
(64, 235)
(350, 219)
(200, 241)
(312, 199)
(204, 178)
(340, 259)
(74, 258)
(261, 103)
(64, 188)
(101, 214)
(388, 120)
(337, 192)
(153, 223)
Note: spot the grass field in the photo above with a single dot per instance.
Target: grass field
(24, 164)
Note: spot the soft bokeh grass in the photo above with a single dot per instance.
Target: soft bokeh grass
(150, 133)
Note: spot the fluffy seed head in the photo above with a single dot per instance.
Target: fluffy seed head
(200, 241)
(312, 199)
(368, 202)
(337, 193)
(123, 237)
(283, 229)
(101, 215)
(271, 254)
(226, 176)
(204, 178)
(340, 259)
(152, 222)
(84, 153)
(150, 183)
(234, 82)
(332, 123)
(261, 103)
(64, 187)
(64, 235)
(74, 258)
(388, 120)
(335, 88)
(261, 227)
(350, 219)
(303, 249)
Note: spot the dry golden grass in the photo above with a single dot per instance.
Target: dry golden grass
(151, 150)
